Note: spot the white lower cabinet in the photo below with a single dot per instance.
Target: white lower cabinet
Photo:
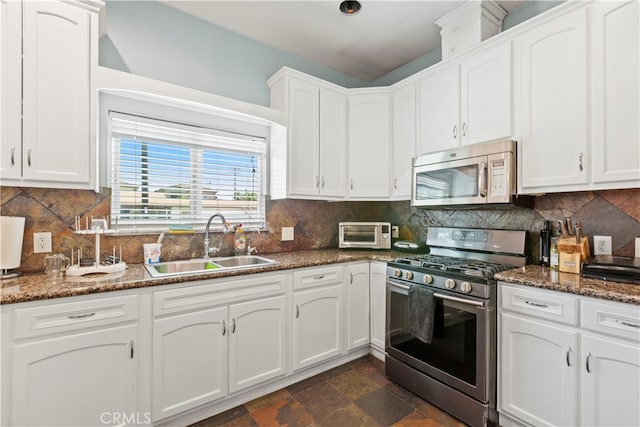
(317, 315)
(556, 368)
(74, 364)
(357, 305)
(377, 300)
(205, 355)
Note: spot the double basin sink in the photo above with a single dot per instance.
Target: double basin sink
(205, 265)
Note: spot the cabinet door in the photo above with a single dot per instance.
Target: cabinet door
(369, 145)
(56, 93)
(303, 138)
(333, 143)
(357, 305)
(10, 91)
(72, 380)
(485, 99)
(189, 360)
(317, 325)
(256, 342)
(553, 102)
(610, 382)
(615, 97)
(439, 111)
(539, 382)
(404, 140)
(378, 299)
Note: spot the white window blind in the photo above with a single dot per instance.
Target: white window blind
(165, 173)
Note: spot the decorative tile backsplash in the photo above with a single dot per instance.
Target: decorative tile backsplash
(613, 213)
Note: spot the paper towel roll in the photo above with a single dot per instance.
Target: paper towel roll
(11, 232)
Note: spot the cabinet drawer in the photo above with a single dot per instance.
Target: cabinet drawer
(619, 320)
(71, 316)
(216, 292)
(317, 277)
(548, 305)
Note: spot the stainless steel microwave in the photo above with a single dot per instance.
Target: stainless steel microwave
(478, 174)
(364, 235)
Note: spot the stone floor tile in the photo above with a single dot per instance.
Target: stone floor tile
(268, 400)
(384, 406)
(353, 384)
(321, 400)
(284, 413)
(224, 418)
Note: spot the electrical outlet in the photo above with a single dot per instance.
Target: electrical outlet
(637, 247)
(41, 242)
(394, 232)
(602, 245)
(287, 234)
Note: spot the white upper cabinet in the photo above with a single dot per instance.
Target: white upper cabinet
(315, 165)
(403, 140)
(369, 144)
(59, 51)
(552, 72)
(467, 103)
(615, 58)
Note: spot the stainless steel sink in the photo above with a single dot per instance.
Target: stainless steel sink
(194, 266)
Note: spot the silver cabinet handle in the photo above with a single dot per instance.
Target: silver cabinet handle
(233, 325)
(568, 354)
(455, 131)
(317, 181)
(536, 304)
(580, 162)
(351, 184)
(322, 184)
(81, 316)
(224, 328)
(464, 129)
(318, 277)
(632, 325)
(29, 156)
(297, 311)
(587, 362)
(131, 349)
(395, 183)
(482, 182)
(350, 278)
(13, 155)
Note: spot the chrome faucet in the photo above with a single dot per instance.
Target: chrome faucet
(226, 229)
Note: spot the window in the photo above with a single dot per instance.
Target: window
(165, 173)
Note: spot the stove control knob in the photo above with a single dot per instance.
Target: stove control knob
(397, 272)
(427, 279)
(465, 287)
(450, 283)
(408, 275)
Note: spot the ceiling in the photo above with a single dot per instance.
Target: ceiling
(382, 36)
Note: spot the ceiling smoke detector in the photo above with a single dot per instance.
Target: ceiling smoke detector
(350, 7)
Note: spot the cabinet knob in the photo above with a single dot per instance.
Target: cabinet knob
(455, 131)
(464, 129)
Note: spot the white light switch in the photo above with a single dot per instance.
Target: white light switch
(287, 234)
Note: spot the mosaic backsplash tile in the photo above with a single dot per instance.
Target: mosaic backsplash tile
(615, 213)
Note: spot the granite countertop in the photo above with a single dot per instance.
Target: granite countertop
(33, 287)
(543, 277)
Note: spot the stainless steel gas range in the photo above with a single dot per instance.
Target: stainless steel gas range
(441, 319)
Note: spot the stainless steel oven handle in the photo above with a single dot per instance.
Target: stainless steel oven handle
(482, 181)
(460, 300)
(442, 296)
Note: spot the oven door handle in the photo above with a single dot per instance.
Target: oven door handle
(479, 304)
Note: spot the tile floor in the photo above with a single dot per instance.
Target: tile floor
(354, 394)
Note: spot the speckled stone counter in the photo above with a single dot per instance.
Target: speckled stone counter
(34, 287)
(542, 277)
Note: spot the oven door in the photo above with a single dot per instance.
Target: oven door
(459, 354)
(458, 182)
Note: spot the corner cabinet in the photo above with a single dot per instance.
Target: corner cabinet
(54, 144)
(566, 360)
(468, 102)
(403, 140)
(377, 300)
(357, 305)
(369, 145)
(314, 166)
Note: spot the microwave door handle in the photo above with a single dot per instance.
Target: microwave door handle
(482, 182)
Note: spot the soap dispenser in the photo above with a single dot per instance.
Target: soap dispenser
(240, 240)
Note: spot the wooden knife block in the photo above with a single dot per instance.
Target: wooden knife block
(572, 254)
